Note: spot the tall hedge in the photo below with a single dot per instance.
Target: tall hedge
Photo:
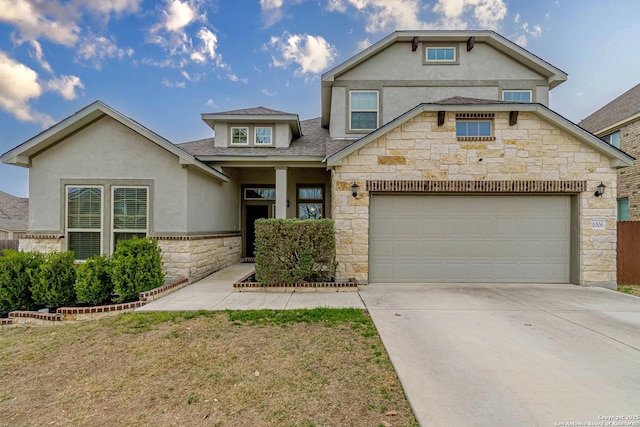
(16, 272)
(293, 250)
(136, 266)
(94, 285)
(54, 281)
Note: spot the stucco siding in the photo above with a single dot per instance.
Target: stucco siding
(483, 62)
(212, 206)
(531, 150)
(103, 151)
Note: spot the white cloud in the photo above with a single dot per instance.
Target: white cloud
(37, 54)
(363, 44)
(115, 6)
(383, 15)
(269, 92)
(517, 18)
(271, 11)
(210, 103)
(207, 49)
(95, 49)
(312, 54)
(178, 15)
(176, 84)
(65, 86)
(18, 86)
(35, 19)
(522, 41)
(488, 14)
(390, 15)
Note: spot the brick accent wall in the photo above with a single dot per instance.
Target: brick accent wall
(629, 178)
(531, 150)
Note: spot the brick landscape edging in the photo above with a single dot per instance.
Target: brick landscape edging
(75, 314)
(242, 286)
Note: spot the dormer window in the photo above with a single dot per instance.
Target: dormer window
(262, 136)
(239, 136)
(363, 114)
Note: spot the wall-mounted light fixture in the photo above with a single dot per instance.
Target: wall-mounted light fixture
(600, 191)
(354, 189)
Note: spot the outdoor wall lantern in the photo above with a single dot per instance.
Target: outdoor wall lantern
(354, 189)
(600, 191)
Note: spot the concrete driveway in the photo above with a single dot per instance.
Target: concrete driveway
(498, 355)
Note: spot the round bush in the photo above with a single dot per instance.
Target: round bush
(93, 284)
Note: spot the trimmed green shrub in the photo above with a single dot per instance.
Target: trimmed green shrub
(293, 250)
(136, 266)
(53, 284)
(93, 284)
(15, 279)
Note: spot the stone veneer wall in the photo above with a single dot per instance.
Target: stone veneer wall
(195, 257)
(191, 257)
(629, 178)
(530, 150)
(41, 243)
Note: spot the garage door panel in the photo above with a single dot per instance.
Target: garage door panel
(470, 239)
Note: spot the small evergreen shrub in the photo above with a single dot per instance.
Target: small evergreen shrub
(53, 283)
(294, 250)
(93, 284)
(136, 266)
(15, 279)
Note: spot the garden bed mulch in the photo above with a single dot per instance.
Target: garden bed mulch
(74, 314)
(248, 283)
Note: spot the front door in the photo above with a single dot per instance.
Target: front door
(252, 212)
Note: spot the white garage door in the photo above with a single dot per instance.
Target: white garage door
(519, 239)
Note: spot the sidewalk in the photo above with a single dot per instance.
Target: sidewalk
(215, 292)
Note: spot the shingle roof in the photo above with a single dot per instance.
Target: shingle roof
(311, 143)
(12, 207)
(13, 224)
(251, 111)
(624, 106)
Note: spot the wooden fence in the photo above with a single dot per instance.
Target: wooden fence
(8, 244)
(629, 252)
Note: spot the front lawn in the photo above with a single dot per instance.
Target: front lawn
(316, 367)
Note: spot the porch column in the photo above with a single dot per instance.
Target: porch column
(281, 191)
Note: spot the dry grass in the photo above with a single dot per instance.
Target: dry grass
(630, 289)
(301, 368)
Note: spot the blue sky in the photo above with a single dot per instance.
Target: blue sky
(164, 62)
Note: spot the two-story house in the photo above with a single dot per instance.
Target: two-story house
(618, 123)
(436, 154)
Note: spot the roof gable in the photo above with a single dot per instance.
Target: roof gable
(254, 115)
(624, 108)
(619, 158)
(21, 155)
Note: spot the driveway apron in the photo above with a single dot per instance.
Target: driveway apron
(493, 355)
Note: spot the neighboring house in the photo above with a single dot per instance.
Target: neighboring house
(14, 215)
(618, 123)
(436, 154)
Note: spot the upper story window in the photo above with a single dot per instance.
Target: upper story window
(516, 95)
(474, 126)
(239, 135)
(438, 54)
(612, 139)
(262, 136)
(363, 111)
(441, 54)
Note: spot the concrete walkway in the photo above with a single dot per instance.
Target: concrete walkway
(215, 292)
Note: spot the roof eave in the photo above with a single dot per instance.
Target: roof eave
(292, 119)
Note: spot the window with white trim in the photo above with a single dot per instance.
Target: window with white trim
(84, 220)
(262, 136)
(130, 213)
(516, 95)
(440, 54)
(363, 110)
(473, 128)
(240, 135)
(612, 139)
